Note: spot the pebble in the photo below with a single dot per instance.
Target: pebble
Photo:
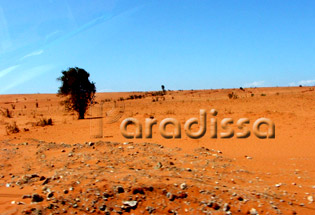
(120, 189)
(129, 205)
(37, 198)
(183, 186)
(253, 211)
(150, 209)
(310, 198)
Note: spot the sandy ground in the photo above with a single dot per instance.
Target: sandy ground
(75, 171)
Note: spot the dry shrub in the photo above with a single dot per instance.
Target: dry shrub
(7, 113)
(232, 95)
(12, 128)
(43, 122)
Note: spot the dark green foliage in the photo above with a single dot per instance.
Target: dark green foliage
(77, 89)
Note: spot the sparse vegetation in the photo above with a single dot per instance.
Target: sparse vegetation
(106, 100)
(12, 128)
(232, 95)
(135, 97)
(44, 122)
(263, 94)
(6, 113)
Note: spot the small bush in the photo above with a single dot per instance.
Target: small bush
(263, 94)
(106, 100)
(7, 113)
(252, 95)
(232, 95)
(36, 104)
(12, 128)
(13, 106)
(43, 122)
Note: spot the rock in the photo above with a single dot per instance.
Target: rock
(102, 208)
(138, 190)
(170, 196)
(253, 211)
(150, 209)
(120, 189)
(91, 144)
(158, 165)
(129, 205)
(183, 186)
(226, 207)
(47, 180)
(26, 196)
(310, 198)
(214, 205)
(37, 198)
(50, 194)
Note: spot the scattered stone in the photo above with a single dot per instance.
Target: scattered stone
(128, 205)
(310, 198)
(37, 198)
(170, 196)
(102, 208)
(159, 165)
(47, 180)
(253, 211)
(138, 190)
(150, 209)
(183, 186)
(226, 207)
(26, 196)
(50, 194)
(120, 189)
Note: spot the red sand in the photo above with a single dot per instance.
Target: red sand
(286, 160)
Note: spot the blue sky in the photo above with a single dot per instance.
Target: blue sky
(140, 45)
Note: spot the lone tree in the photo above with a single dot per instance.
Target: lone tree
(77, 89)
